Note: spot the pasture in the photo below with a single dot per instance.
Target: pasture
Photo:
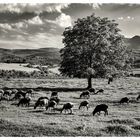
(123, 120)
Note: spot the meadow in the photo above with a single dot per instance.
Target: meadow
(122, 120)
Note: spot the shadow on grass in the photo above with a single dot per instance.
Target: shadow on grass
(36, 111)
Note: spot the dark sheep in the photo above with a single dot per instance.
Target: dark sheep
(100, 90)
(67, 106)
(84, 104)
(51, 104)
(40, 98)
(110, 79)
(124, 100)
(85, 94)
(54, 94)
(24, 101)
(138, 97)
(99, 108)
(41, 103)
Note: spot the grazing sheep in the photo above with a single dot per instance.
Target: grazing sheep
(138, 97)
(92, 90)
(51, 104)
(24, 101)
(85, 94)
(54, 94)
(84, 104)
(41, 103)
(67, 106)
(99, 108)
(100, 90)
(110, 79)
(124, 100)
(7, 93)
(56, 99)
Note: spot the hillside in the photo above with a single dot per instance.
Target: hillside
(36, 56)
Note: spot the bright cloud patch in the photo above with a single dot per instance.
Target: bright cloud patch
(36, 20)
(63, 21)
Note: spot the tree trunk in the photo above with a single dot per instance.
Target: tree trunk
(89, 82)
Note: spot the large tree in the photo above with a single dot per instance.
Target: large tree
(93, 47)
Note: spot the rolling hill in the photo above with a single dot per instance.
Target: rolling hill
(43, 55)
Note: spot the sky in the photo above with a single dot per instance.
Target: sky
(33, 26)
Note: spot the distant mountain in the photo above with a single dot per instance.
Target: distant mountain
(134, 42)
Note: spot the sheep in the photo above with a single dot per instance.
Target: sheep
(67, 106)
(124, 100)
(41, 102)
(7, 93)
(24, 101)
(99, 108)
(54, 94)
(138, 97)
(56, 99)
(110, 79)
(100, 90)
(92, 90)
(85, 94)
(84, 104)
(51, 104)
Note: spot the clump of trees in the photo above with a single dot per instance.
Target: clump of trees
(94, 47)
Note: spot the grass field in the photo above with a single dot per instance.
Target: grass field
(123, 120)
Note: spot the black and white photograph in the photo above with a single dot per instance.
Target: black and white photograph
(69, 69)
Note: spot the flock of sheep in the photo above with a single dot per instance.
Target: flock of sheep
(24, 98)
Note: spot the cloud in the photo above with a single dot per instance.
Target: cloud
(30, 7)
(63, 20)
(95, 5)
(36, 20)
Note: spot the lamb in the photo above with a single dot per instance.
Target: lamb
(51, 104)
(24, 101)
(85, 94)
(67, 106)
(41, 103)
(138, 97)
(99, 108)
(84, 104)
(100, 90)
(54, 94)
(124, 100)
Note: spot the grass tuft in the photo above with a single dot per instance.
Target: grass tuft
(118, 130)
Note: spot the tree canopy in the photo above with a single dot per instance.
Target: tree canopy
(95, 43)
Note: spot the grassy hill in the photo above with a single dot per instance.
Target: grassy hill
(36, 56)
